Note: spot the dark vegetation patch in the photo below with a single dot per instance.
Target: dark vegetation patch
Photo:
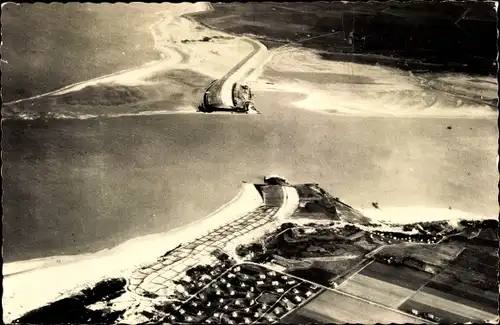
(480, 224)
(339, 269)
(486, 255)
(320, 77)
(48, 46)
(429, 227)
(314, 274)
(183, 76)
(471, 260)
(74, 309)
(467, 298)
(412, 34)
(293, 248)
(105, 95)
(469, 277)
(474, 241)
(432, 313)
(206, 39)
(463, 282)
(476, 263)
(172, 89)
(407, 261)
(289, 242)
(298, 318)
(400, 275)
(428, 258)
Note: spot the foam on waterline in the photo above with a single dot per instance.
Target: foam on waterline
(78, 116)
(26, 291)
(413, 214)
(383, 91)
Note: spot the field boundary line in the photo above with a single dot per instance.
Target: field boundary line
(424, 321)
(428, 281)
(355, 273)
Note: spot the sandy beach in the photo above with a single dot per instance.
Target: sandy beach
(354, 89)
(63, 274)
(365, 133)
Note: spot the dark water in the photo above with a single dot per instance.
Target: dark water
(73, 186)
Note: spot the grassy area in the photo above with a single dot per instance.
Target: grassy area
(436, 255)
(417, 31)
(48, 46)
(185, 89)
(74, 309)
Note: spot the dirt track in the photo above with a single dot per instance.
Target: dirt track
(284, 141)
(184, 45)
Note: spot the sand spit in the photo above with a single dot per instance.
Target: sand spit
(365, 90)
(65, 274)
(191, 45)
(184, 45)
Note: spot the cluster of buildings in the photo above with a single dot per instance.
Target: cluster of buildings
(246, 293)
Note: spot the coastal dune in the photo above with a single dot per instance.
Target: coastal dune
(53, 277)
(355, 89)
(281, 138)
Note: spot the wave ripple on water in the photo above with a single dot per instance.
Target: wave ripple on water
(29, 116)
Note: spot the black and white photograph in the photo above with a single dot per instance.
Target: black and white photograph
(250, 162)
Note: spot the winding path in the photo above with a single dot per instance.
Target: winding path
(220, 92)
(157, 279)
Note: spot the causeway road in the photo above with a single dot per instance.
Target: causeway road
(221, 91)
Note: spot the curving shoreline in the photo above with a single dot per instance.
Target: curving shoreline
(152, 270)
(144, 246)
(62, 273)
(244, 215)
(22, 277)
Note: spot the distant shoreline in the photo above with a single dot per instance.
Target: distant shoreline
(125, 46)
(407, 55)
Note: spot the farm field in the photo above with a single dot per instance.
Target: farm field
(385, 29)
(488, 234)
(466, 290)
(475, 308)
(470, 278)
(442, 295)
(335, 307)
(478, 264)
(444, 315)
(465, 293)
(388, 285)
(470, 260)
(447, 307)
(402, 276)
(378, 291)
(435, 254)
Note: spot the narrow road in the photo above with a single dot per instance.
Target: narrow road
(159, 277)
(221, 91)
